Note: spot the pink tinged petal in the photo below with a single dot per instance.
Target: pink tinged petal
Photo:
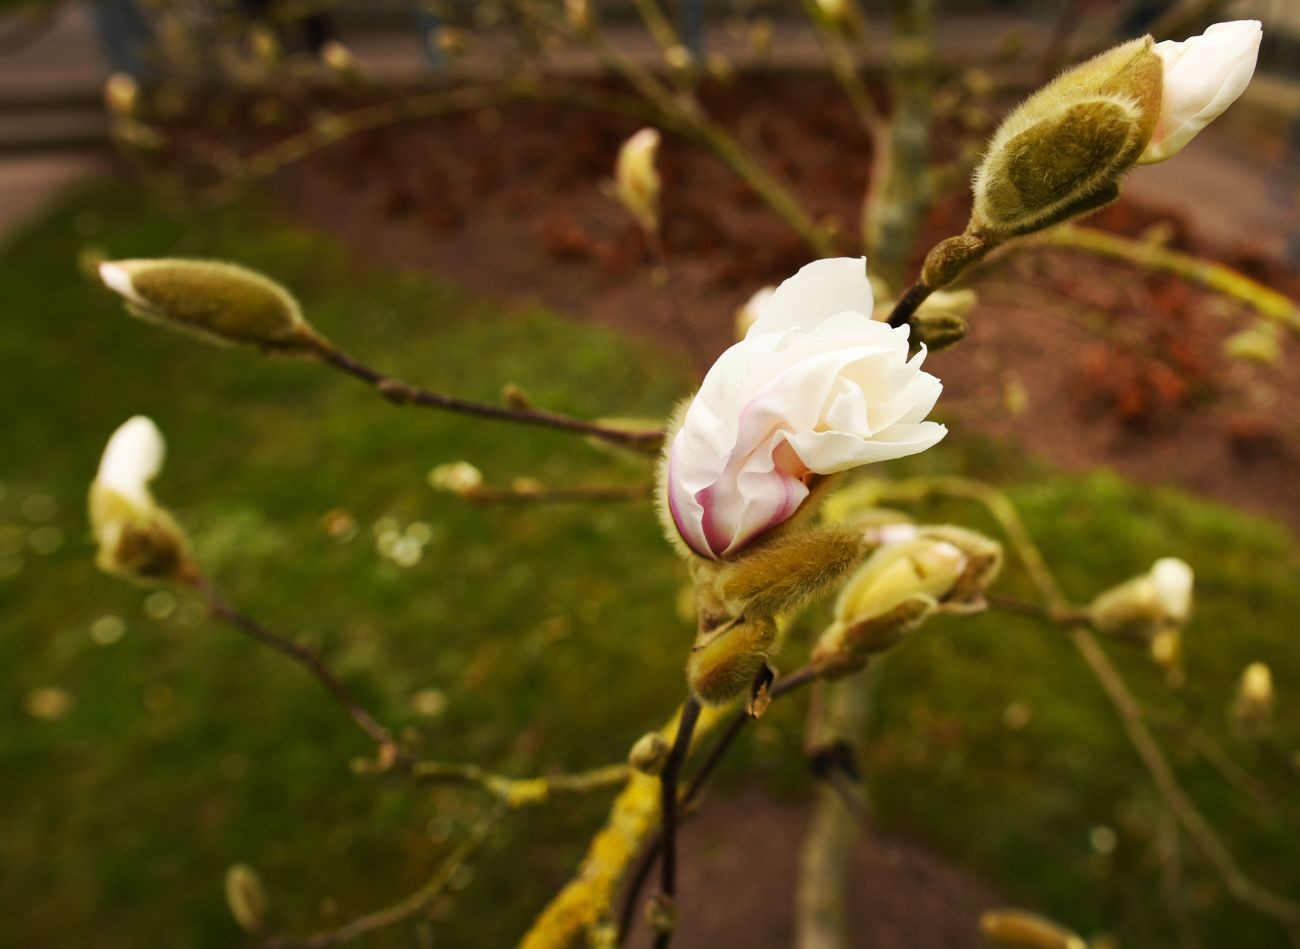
(821, 289)
(1202, 77)
(688, 513)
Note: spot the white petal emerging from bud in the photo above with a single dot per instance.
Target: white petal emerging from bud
(136, 538)
(636, 179)
(1202, 77)
(1172, 579)
(133, 458)
(747, 315)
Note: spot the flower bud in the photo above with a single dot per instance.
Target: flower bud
(457, 477)
(220, 302)
(895, 591)
(949, 258)
(1252, 709)
(636, 180)
(340, 61)
(137, 539)
(788, 570)
(940, 321)
(578, 15)
(650, 753)
(1141, 608)
(1016, 929)
(246, 898)
(121, 94)
(726, 662)
(1064, 148)
(834, 12)
(983, 564)
(1260, 342)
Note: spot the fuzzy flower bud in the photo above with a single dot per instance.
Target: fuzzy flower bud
(636, 181)
(1061, 152)
(246, 898)
(899, 586)
(941, 319)
(650, 753)
(1141, 608)
(1202, 77)
(815, 387)
(137, 539)
(1016, 929)
(1252, 708)
(220, 302)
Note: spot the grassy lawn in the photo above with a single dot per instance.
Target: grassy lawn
(549, 631)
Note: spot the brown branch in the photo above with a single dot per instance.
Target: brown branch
(415, 904)
(668, 814)
(403, 393)
(221, 609)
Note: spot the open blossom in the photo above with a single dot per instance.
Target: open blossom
(1202, 77)
(815, 387)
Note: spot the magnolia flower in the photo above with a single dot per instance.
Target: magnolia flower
(815, 387)
(1144, 607)
(1202, 77)
(136, 537)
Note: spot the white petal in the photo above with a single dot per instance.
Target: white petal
(133, 458)
(117, 277)
(1202, 77)
(1172, 580)
(819, 290)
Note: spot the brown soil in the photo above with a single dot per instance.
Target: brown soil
(512, 202)
(754, 840)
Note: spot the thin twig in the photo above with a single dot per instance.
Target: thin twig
(403, 393)
(223, 610)
(518, 792)
(415, 904)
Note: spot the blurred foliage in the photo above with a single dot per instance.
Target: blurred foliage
(549, 633)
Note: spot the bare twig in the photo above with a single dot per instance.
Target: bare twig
(403, 393)
(224, 611)
(668, 814)
(414, 905)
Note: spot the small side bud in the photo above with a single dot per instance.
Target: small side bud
(514, 397)
(1017, 929)
(724, 663)
(650, 753)
(1140, 609)
(941, 319)
(636, 181)
(137, 538)
(339, 60)
(983, 564)
(220, 302)
(121, 95)
(578, 15)
(246, 898)
(1252, 708)
(457, 477)
(1259, 343)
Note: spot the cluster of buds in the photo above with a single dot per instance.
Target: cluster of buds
(922, 571)
(137, 538)
(1150, 610)
(220, 302)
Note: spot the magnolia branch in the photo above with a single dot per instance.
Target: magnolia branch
(417, 903)
(222, 610)
(404, 393)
